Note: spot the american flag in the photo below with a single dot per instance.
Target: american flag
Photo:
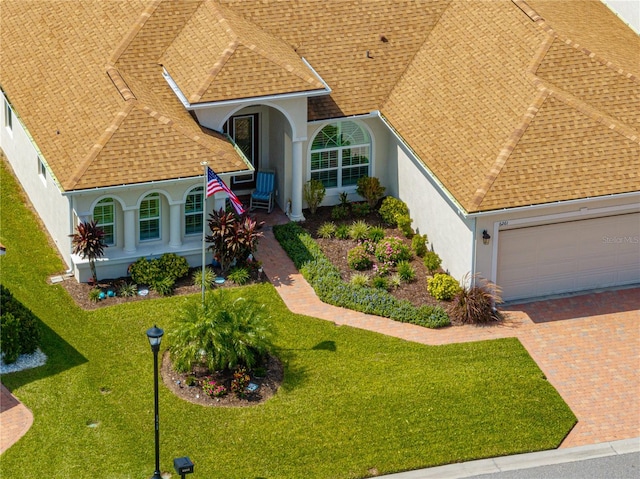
(215, 185)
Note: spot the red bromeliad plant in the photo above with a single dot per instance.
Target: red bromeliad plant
(88, 242)
(232, 238)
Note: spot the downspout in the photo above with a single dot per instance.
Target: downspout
(71, 201)
(474, 247)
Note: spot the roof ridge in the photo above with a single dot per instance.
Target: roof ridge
(410, 62)
(222, 13)
(135, 29)
(99, 145)
(542, 23)
(120, 83)
(507, 149)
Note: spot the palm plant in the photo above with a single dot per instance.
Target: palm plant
(220, 333)
(88, 242)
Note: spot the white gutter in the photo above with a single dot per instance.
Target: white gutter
(108, 189)
(579, 201)
(373, 114)
(432, 176)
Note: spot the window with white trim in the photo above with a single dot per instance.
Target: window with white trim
(8, 116)
(340, 154)
(150, 217)
(42, 170)
(193, 220)
(104, 214)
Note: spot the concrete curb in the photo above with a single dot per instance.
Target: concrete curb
(522, 461)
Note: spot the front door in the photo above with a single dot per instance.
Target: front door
(243, 129)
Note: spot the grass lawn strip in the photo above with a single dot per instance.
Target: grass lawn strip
(352, 401)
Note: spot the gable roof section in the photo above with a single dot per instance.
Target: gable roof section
(90, 91)
(219, 56)
(512, 113)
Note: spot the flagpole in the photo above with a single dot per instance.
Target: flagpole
(204, 222)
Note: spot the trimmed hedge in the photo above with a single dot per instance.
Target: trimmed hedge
(325, 279)
(19, 329)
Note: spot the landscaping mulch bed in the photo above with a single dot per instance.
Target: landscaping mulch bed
(336, 251)
(79, 292)
(267, 385)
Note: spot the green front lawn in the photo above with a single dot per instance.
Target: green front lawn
(352, 403)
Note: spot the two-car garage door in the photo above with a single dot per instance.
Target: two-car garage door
(569, 256)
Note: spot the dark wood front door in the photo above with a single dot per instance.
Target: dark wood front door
(243, 129)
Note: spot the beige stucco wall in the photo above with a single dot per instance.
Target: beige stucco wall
(486, 257)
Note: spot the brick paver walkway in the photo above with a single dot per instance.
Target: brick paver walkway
(15, 419)
(587, 346)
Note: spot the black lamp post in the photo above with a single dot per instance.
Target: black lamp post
(155, 337)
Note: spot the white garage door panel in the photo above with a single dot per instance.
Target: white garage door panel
(570, 256)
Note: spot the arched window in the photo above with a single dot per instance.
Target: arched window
(193, 212)
(150, 217)
(104, 214)
(340, 154)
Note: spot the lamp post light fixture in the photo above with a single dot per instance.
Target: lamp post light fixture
(155, 338)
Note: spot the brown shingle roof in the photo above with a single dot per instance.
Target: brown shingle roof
(219, 55)
(89, 89)
(508, 103)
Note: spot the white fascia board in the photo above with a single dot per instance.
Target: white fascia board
(115, 188)
(579, 201)
(461, 211)
(363, 116)
(241, 101)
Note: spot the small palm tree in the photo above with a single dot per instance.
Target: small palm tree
(88, 243)
(220, 333)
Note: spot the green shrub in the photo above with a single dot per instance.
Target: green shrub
(419, 245)
(406, 271)
(342, 232)
(9, 338)
(164, 285)
(391, 208)
(359, 230)
(325, 280)
(359, 279)
(173, 265)
(442, 287)
(380, 282)
(28, 333)
(209, 277)
(391, 250)
(94, 295)
(370, 189)
(344, 199)
(339, 212)
(376, 233)
(127, 289)
(432, 261)
(327, 230)
(360, 209)
(239, 275)
(404, 223)
(476, 302)
(313, 193)
(143, 271)
(358, 259)
(395, 281)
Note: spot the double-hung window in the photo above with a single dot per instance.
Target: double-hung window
(105, 216)
(340, 154)
(193, 212)
(150, 217)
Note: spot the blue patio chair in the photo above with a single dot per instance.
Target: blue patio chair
(262, 196)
